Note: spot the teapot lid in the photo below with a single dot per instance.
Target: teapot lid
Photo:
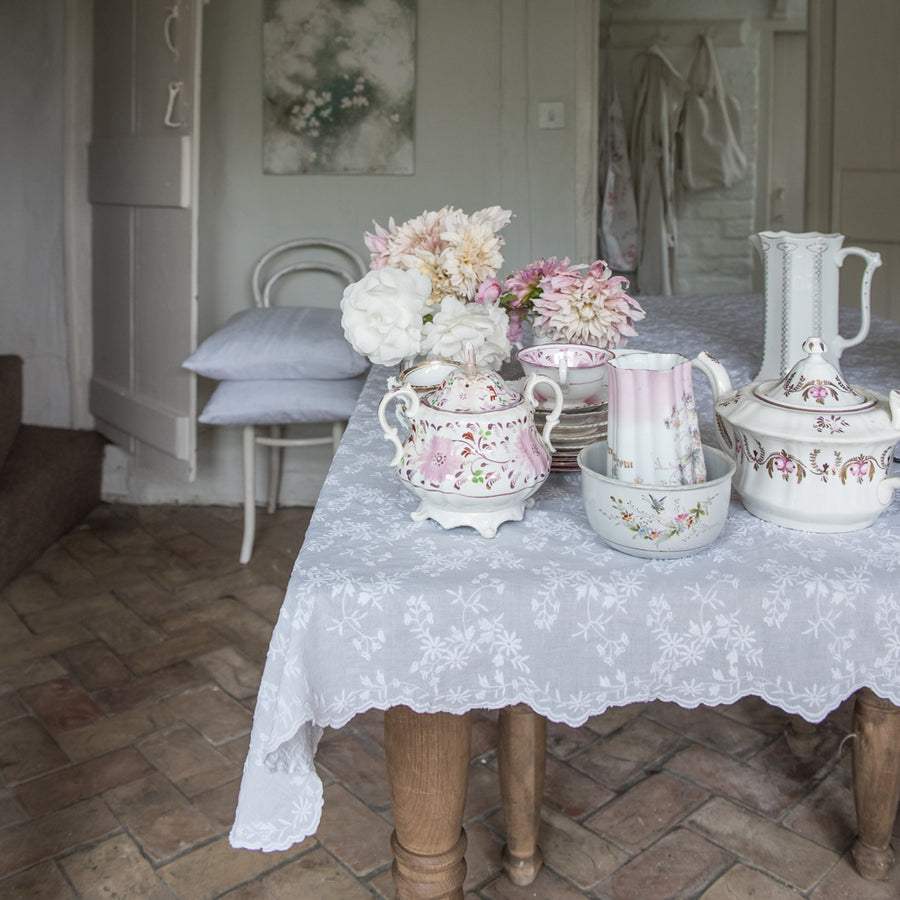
(814, 384)
(469, 389)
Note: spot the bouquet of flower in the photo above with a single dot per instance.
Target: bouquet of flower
(432, 288)
(575, 304)
(418, 297)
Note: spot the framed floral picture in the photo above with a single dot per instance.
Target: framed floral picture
(339, 86)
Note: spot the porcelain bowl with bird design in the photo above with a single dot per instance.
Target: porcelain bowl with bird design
(656, 521)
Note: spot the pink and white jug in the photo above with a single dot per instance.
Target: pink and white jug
(653, 436)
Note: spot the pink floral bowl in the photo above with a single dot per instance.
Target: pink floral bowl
(578, 369)
(429, 375)
(656, 522)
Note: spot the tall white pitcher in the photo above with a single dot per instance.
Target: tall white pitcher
(801, 290)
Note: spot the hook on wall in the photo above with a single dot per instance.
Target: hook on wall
(169, 32)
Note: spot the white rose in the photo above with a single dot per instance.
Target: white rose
(457, 324)
(382, 314)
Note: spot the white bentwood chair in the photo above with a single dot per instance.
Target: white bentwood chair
(285, 364)
(267, 272)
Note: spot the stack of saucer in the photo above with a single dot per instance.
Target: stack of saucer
(578, 427)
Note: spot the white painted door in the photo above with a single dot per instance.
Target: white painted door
(865, 196)
(143, 190)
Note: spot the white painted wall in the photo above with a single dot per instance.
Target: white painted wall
(483, 66)
(32, 297)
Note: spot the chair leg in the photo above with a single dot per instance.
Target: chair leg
(249, 492)
(337, 432)
(275, 457)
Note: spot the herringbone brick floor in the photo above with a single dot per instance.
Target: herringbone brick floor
(130, 654)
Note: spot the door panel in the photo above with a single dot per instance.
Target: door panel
(788, 157)
(159, 293)
(143, 187)
(866, 163)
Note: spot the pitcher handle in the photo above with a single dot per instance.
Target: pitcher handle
(411, 408)
(873, 260)
(721, 385)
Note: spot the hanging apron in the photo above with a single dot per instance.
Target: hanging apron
(618, 227)
(653, 134)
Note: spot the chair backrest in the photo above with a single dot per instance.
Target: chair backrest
(268, 270)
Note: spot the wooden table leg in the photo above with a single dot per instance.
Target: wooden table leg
(428, 769)
(522, 758)
(876, 782)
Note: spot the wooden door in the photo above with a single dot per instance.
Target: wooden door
(143, 190)
(855, 138)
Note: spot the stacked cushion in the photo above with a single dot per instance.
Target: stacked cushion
(280, 365)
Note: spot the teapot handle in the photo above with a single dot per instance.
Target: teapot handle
(411, 408)
(553, 419)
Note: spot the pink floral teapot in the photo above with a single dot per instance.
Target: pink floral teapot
(473, 455)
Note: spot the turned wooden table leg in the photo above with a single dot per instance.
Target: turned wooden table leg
(522, 758)
(876, 782)
(428, 769)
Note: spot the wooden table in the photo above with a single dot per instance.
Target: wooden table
(378, 607)
(428, 765)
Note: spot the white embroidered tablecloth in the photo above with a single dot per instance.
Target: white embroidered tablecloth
(382, 611)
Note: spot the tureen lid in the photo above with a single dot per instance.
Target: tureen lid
(814, 384)
(468, 389)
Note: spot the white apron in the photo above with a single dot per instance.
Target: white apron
(657, 107)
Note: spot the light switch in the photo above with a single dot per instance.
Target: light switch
(552, 115)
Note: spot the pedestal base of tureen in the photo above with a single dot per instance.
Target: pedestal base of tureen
(485, 522)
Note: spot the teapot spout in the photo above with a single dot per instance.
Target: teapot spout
(715, 372)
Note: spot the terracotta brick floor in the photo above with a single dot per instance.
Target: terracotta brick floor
(130, 655)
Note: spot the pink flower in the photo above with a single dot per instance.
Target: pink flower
(436, 460)
(573, 305)
(530, 281)
(858, 468)
(530, 453)
(784, 464)
(489, 292)
(378, 245)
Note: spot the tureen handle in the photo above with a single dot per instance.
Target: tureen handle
(411, 408)
(552, 419)
(885, 490)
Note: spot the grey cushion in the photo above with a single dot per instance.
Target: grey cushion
(282, 402)
(278, 342)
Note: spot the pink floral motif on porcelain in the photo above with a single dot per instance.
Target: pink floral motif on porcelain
(658, 524)
(781, 463)
(475, 457)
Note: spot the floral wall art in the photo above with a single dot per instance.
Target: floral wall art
(339, 86)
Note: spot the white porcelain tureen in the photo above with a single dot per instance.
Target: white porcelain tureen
(812, 452)
(473, 455)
